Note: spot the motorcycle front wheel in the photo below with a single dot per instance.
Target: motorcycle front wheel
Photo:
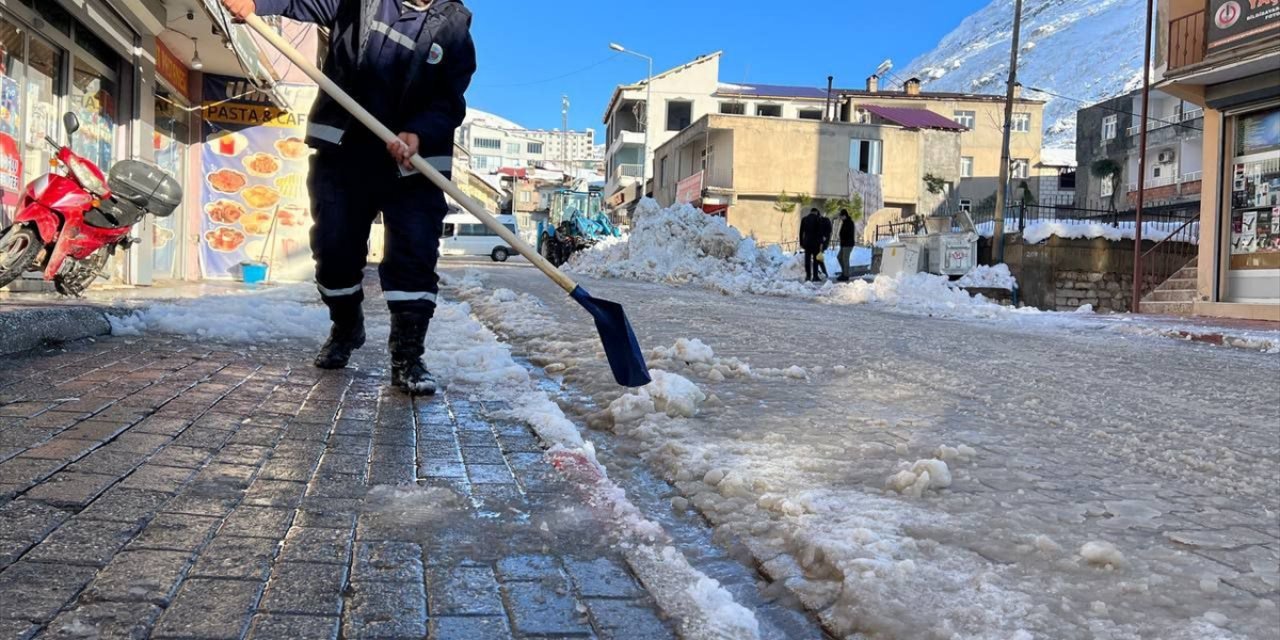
(19, 247)
(75, 276)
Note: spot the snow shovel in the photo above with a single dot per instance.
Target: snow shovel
(620, 344)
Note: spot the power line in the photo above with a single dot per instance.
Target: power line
(553, 79)
(1177, 123)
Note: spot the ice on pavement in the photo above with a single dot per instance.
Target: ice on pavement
(1041, 490)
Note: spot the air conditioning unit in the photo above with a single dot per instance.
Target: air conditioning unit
(1166, 157)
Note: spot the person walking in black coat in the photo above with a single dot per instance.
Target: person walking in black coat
(848, 237)
(811, 242)
(827, 229)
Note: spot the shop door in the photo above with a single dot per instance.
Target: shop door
(1253, 180)
(169, 140)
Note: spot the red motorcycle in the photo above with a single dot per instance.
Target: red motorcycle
(69, 224)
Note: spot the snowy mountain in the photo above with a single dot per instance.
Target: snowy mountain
(1087, 50)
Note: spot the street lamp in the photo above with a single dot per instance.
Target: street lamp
(648, 103)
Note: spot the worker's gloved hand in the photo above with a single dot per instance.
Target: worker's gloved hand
(240, 9)
(403, 148)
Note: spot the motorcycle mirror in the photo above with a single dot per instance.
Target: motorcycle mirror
(71, 123)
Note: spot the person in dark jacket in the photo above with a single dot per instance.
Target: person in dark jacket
(827, 230)
(811, 241)
(408, 62)
(848, 238)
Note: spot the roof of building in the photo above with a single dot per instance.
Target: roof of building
(1058, 157)
(617, 91)
(725, 89)
(913, 118)
(929, 95)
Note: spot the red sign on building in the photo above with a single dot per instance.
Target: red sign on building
(171, 69)
(690, 189)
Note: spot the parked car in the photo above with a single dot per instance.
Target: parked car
(464, 235)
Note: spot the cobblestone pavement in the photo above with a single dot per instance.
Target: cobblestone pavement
(162, 487)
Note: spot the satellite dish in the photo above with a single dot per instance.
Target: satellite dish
(884, 67)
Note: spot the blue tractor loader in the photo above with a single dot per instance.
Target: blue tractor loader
(575, 222)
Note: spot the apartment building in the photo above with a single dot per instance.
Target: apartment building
(1107, 134)
(682, 96)
(982, 116)
(493, 147)
(746, 167)
(1222, 56)
(687, 93)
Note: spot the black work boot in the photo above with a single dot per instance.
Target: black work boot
(408, 335)
(346, 336)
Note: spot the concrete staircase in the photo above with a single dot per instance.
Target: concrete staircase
(1175, 296)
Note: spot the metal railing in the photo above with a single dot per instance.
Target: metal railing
(1164, 181)
(629, 171)
(1193, 114)
(1187, 37)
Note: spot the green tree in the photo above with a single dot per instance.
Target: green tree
(1108, 170)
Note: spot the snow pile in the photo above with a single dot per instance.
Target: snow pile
(984, 277)
(914, 479)
(682, 245)
(1102, 554)
(669, 393)
(289, 312)
(701, 359)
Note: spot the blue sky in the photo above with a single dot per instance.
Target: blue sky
(531, 53)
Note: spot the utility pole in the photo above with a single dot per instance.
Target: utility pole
(564, 139)
(997, 239)
(1142, 166)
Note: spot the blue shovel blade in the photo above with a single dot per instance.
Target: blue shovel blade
(620, 344)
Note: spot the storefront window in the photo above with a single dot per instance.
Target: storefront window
(1254, 182)
(93, 98)
(11, 72)
(169, 140)
(44, 71)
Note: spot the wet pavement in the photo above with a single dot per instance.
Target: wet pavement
(168, 488)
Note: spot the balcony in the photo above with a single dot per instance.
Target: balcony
(1160, 123)
(629, 171)
(1187, 40)
(623, 139)
(1202, 52)
(1167, 188)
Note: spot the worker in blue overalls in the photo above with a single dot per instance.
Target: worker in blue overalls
(408, 62)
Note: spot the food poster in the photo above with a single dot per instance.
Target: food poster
(10, 123)
(164, 230)
(254, 164)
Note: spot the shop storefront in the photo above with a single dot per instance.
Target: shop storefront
(1252, 202)
(1223, 55)
(52, 63)
(175, 121)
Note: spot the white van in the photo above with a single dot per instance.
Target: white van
(464, 235)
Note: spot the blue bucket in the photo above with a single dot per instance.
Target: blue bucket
(253, 272)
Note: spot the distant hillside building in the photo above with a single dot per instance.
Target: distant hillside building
(493, 147)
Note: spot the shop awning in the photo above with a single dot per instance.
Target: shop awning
(253, 59)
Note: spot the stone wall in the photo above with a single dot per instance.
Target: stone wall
(1106, 292)
(1062, 275)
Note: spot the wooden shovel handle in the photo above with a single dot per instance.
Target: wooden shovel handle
(379, 129)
